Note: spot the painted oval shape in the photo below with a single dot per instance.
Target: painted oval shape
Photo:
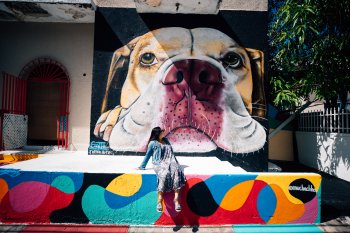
(302, 189)
(28, 196)
(125, 185)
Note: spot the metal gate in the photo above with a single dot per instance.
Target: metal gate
(13, 99)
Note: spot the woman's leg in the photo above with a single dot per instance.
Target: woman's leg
(160, 197)
(177, 196)
(177, 200)
(159, 202)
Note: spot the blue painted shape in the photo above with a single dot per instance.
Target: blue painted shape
(115, 201)
(142, 211)
(10, 172)
(266, 203)
(39, 176)
(220, 184)
(279, 228)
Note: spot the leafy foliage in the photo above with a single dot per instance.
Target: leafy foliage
(309, 50)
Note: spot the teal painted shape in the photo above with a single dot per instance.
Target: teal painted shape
(140, 212)
(280, 228)
(64, 184)
(220, 184)
(266, 203)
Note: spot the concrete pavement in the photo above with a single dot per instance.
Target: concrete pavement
(341, 224)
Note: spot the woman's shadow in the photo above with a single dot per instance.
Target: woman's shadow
(186, 217)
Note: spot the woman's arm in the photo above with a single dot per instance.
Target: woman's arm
(148, 155)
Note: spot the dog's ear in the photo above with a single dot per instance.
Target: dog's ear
(258, 95)
(118, 69)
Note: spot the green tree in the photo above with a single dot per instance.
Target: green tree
(309, 50)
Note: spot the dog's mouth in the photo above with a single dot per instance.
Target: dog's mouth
(190, 139)
(191, 112)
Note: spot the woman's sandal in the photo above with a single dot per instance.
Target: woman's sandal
(159, 207)
(177, 206)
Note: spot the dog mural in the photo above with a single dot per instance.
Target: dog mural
(198, 84)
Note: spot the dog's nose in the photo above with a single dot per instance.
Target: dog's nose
(177, 73)
(205, 73)
(179, 76)
(199, 76)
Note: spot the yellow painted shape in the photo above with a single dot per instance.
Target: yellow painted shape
(125, 185)
(284, 180)
(237, 196)
(285, 211)
(3, 188)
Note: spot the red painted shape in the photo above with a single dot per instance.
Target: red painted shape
(247, 214)
(54, 200)
(76, 228)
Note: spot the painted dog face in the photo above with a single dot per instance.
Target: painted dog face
(196, 84)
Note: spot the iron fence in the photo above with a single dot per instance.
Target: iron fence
(330, 120)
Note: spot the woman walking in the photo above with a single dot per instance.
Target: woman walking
(170, 176)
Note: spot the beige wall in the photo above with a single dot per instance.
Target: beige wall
(281, 146)
(69, 44)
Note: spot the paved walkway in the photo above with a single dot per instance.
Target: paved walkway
(341, 224)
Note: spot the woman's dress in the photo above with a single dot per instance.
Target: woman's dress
(170, 175)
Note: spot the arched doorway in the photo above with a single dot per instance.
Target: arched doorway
(47, 102)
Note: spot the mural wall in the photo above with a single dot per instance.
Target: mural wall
(43, 197)
(201, 80)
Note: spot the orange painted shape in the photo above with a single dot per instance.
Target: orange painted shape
(237, 196)
(3, 188)
(286, 210)
(13, 158)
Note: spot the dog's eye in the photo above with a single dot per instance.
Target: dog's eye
(148, 59)
(233, 60)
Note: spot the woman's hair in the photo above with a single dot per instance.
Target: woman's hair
(156, 131)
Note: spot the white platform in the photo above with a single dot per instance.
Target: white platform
(80, 161)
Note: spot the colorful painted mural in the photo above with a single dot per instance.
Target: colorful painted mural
(196, 84)
(201, 82)
(43, 197)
